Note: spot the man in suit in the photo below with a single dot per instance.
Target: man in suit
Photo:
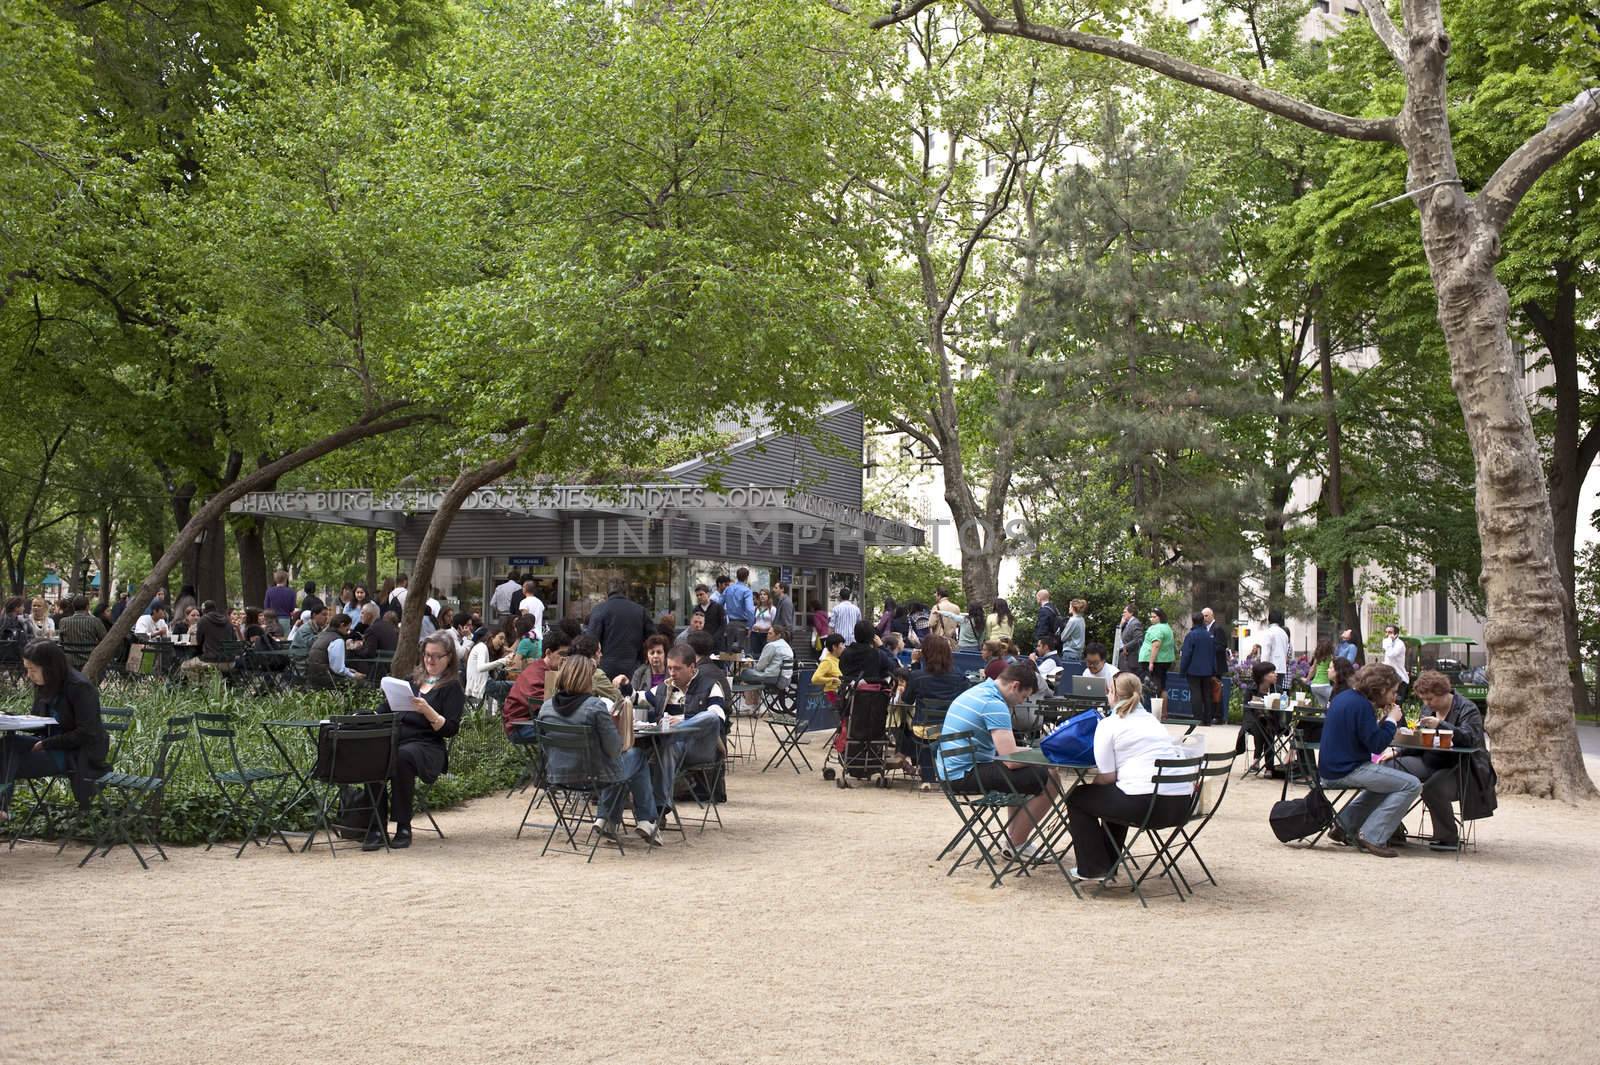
(1049, 622)
(1131, 632)
(621, 626)
(1219, 637)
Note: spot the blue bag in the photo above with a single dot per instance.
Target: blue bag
(1073, 742)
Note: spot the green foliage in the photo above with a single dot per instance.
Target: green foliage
(906, 576)
(481, 759)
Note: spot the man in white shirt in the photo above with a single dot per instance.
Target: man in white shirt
(532, 604)
(1275, 646)
(1394, 656)
(506, 595)
(844, 617)
(152, 626)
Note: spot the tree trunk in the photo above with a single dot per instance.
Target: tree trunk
(249, 535)
(212, 512)
(372, 562)
(1530, 718)
(107, 542)
(211, 563)
(1348, 612)
(466, 482)
(182, 514)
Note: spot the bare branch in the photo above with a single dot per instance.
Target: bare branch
(898, 14)
(1248, 92)
(1384, 27)
(1570, 127)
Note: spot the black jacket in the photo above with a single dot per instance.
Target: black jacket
(621, 626)
(716, 619)
(76, 707)
(449, 701)
(1219, 638)
(1049, 622)
(1465, 722)
(1199, 655)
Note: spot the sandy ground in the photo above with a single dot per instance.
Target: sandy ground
(816, 927)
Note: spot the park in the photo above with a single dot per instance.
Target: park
(846, 511)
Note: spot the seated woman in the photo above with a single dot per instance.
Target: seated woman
(994, 658)
(485, 659)
(611, 759)
(827, 677)
(1351, 735)
(1261, 725)
(1126, 746)
(437, 703)
(775, 668)
(77, 748)
(650, 675)
(933, 687)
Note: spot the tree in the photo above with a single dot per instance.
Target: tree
(973, 132)
(906, 576)
(1536, 742)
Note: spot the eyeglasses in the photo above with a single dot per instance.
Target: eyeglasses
(436, 655)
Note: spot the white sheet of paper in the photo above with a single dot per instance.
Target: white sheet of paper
(398, 693)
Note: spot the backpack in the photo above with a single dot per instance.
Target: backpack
(1073, 742)
(1293, 819)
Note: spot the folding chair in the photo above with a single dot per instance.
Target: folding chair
(118, 722)
(42, 791)
(789, 729)
(983, 816)
(533, 776)
(1215, 772)
(353, 751)
(711, 776)
(1303, 756)
(243, 788)
(574, 801)
(11, 662)
(1169, 771)
(424, 793)
(926, 724)
(130, 804)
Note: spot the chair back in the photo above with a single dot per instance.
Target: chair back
(77, 651)
(118, 722)
(571, 752)
(170, 751)
(357, 749)
(215, 739)
(1176, 771)
(953, 745)
(1215, 771)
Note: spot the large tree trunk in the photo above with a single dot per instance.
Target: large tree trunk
(107, 542)
(250, 538)
(372, 562)
(211, 563)
(1347, 614)
(1530, 704)
(212, 512)
(466, 482)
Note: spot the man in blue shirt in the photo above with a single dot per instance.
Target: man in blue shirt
(1351, 735)
(985, 711)
(739, 602)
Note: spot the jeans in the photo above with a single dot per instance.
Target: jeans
(1322, 694)
(524, 734)
(1386, 794)
(636, 779)
(19, 761)
(1440, 788)
(695, 739)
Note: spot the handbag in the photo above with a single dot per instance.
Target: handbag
(1293, 819)
(1073, 742)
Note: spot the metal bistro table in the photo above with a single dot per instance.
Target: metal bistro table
(303, 767)
(1051, 828)
(20, 723)
(652, 735)
(1283, 716)
(1463, 766)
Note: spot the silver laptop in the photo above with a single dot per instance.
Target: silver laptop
(1091, 687)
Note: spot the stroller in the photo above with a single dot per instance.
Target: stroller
(862, 746)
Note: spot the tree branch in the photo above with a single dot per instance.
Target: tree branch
(1384, 27)
(1269, 100)
(1566, 130)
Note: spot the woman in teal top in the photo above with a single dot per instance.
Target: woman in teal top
(1159, 649)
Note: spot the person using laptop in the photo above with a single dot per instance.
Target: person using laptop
(1095, 665)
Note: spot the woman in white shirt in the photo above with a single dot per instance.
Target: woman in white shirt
(1126, 746)
(1394, 656)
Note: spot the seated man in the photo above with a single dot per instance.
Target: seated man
(1453, 713)
(325, 665)
(693, 703)
(1046, 659)
(1095, 665)
(527, 695)
(1351, 735)
(985, 711)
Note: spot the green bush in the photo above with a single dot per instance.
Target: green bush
(481, 760)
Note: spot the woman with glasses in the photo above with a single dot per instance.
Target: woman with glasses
(437, 703)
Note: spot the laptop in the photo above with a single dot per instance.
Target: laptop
(1091, 687)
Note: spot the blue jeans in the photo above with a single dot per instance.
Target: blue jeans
(524, 734)
(695, 739)
(1386, 794)
(636, 779)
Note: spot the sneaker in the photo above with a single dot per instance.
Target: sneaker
(1081, 879)
(1027, 853)
(649, 832)
(1448, 845)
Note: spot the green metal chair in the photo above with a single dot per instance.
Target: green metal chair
(43, 792)
(130, 803)
(118, 722)
(244, 788)
(574, 801)
(353, 751)
(422, 798)
(1215, 772)
(983, 816)
(1159, 860)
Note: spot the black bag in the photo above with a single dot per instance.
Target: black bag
(1294, 819)
(354, 819)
